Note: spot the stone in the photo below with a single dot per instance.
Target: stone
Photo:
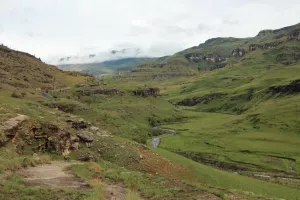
(238, 52)
(87, 158)
(94, 128)
(75, 146)
(86, 136)
(12, 124)
(79, 124)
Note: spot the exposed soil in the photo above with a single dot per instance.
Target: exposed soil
(52, 175)
(55, 176)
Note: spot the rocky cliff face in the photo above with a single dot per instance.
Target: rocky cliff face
(200, 100)
(238, 52)
(61, 137)
(292, 88)
(294, 35)
(195, 57)
(270, 45)
(89, 92)
(154, 92)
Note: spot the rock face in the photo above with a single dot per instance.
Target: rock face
(86, 136)
(46, 137)
(196, 57)
(294, 35)
(90, 92)
(292, 88)
(238, 52)
(64, 106)
(147, 92)
(87, 158)
(12, 128)
(78, 123)
(270, 45)
(288, 58)
(200, 100)
(218, 66)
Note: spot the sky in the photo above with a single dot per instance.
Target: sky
(51, 29)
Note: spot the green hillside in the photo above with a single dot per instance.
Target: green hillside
(226, 114)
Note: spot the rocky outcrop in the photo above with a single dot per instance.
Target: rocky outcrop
(89, 92)
(154, 92)
(219, 66)
(78, 123)
(288, 58)
(270, 45)
(87, 158)
(294, 35)
(65, 106)
(86, 136)
(196, 57)
(292, 88)
(200, 100)
(238, 52)
(60, 137)
(10, 129)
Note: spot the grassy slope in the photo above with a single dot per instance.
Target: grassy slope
(259, 134)
(220, 129)
(233, 182)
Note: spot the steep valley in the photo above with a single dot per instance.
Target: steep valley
(232, 105)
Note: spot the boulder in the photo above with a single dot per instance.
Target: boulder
(79, 124)
(86, 136)
(87, 158)
(238, 52)
(10, 127)
(94, 129)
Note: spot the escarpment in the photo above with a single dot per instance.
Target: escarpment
(154, 92)
(291, 88)
(294, 35)
(196, 57)
(200, 100)
(270, 45)
(89, 92)
(62, 136)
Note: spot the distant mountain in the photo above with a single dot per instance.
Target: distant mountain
(107, 67)
(98, 57)
(218, 52)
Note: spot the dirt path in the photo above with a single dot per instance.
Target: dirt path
(54, 176)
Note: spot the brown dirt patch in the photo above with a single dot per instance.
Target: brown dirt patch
(52, 175)
(153, 163)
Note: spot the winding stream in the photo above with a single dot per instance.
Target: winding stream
(155, 142)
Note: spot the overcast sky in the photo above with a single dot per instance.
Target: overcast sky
(54, 28)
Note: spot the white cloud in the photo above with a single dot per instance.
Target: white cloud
(53, 28)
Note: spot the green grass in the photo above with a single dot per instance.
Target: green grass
(236, 183)
(14, 188)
